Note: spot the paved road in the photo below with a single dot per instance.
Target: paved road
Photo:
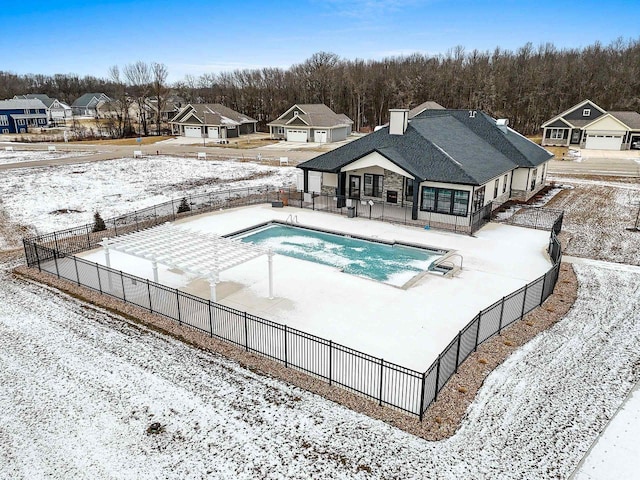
(618, 165)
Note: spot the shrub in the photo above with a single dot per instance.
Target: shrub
(184, 206)
(98, 223)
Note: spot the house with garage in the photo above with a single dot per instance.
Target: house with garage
(442, 167)
(22, 115)
(311, 123)
(586, 125)
(57, 112)
(88, 104)
(214, 120)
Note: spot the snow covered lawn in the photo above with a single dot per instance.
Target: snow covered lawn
(20, 156)
(116, 187)
(597, 214)
(408, 327)
(79, 390)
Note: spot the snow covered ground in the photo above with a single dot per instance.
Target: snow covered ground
(80, 389)
(116, 187)
(20, 156)
(408, 327)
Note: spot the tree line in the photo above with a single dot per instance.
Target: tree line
(527, 86)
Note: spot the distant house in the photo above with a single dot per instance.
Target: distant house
(20, 115)
(311, 123)
(447, 166)
(57, 112)
(212, 121)
(87, 104)
(586, 125)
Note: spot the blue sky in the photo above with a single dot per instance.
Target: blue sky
(194, 37)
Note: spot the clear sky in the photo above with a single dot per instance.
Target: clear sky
(194, 37)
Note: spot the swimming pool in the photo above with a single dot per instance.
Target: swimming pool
(394, 264)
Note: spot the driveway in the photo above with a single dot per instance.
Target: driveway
(625, 163)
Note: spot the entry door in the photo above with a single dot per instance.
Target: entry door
(354, 186)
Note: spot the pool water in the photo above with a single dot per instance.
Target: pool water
(392, 264)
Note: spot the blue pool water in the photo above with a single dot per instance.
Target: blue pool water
(393, 264)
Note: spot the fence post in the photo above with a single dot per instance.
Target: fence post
(544, 284)
(381, 378)
(135, 216)
(286, 361)
(458, 351)
(149, 292)
(422, 385)
(435, 395)
(124, 297)
(478, 332)
(246, 333)
(524, 301)
(55, 260)
(330, 360)
(178, 303)
(75, 262)
(210, 319)
(115, 227)
(501, 313)
(55, 239)
(173, 209)
(313, 202)
(88, 238)
(35, 247)
(99, 282)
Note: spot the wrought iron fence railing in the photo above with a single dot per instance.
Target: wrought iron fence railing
(387, 383)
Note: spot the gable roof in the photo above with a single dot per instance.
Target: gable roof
(428, 105)
(87, 98)
(630, 119)
(315, 115)
(444, 146)
(214, 114)
(48, 101)
(576, 122)
(22, 104)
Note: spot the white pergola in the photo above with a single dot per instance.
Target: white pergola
(201, 254)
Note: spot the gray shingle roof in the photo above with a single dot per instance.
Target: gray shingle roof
(85, 99)
(630, 119)
(428, 105)
(216, 114)
(317, 115)
(40, 96)
(443, 146)
(22, 104)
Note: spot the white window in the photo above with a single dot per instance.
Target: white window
(295, 113)
(4, 120)
(5, 130)
(21, 121)
(557, 133)
(586, 112)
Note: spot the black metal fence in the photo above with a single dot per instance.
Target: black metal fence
(534, 217)
(385, 382)
(379, 210)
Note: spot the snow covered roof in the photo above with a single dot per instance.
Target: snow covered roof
(313, 115)
(22, 104)
(197, 253)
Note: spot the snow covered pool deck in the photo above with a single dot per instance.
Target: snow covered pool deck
(408, 327)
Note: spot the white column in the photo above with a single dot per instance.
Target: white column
(213, 281)
(154, 265)
(270, 255)
(105, 244)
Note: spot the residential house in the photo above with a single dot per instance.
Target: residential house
(442, 166)
(311, 123)
(211, 121)
(57, 112)
(20, 115)
(586, 125)
(87, 104)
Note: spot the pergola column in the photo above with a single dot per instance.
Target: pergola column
(107, 259)
(154, 266)
(270, 257)
(213, 281)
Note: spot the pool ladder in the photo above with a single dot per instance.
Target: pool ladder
(447, 262)
(292, 219)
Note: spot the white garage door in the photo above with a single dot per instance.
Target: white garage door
(192, 132)
(296, 135)
(320, 136)
(213, 132)
(604, 142)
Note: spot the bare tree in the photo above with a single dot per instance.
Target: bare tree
(159, 73)
(138, 76)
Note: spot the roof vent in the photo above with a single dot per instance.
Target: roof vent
(502, 123)
(398, 120)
